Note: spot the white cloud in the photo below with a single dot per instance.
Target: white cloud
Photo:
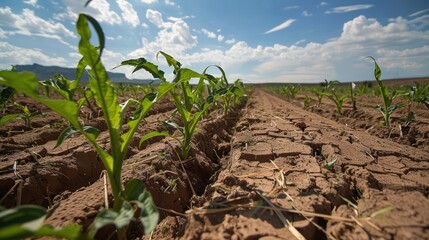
(174, 37)
(286, 24)
(340, 58)
(144, 25)
(12, 55)
(344, 9)
(419, 12)
(29, 24)
(230, 41)
(306, 14)
(148, 1)
(220, 38)
(112, 59)
(323, 3)
(3, 33)
(208, 33)
(99, 9)
(128, 13)
(155, 17)
(170, 3)
(31, 2)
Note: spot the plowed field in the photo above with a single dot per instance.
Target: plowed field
(270, 170)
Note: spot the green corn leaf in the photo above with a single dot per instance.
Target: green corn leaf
(146, 104)
(26, 111)
(170, 61)
(92, 133)
(153, 134)
(133, 189)
(173, 124)
(80, 69)
(9, 117)
(149, 215)
(142, 63)
(377, 70)
(136, 193)
(101, 86)
(127, 104)
(100, 33)
(27, 83)
(225, 80)
(185, 74)
(109, 217)
(21, 222)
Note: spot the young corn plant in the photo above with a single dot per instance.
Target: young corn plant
(388, 107)
(421, 94)
(307, 102)
(228, 93)
(185, 97)
(133, 198)
(363, 88)
(338, 99)
(27, 115)
(417, 94)
(321, 92)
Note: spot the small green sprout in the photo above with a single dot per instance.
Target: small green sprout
(388, 107)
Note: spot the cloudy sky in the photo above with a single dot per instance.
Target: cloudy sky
(257, 41)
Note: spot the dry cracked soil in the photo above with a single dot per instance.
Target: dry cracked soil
(269, 170)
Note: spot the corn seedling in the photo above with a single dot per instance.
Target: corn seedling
(363, 88)
(307, 102)
(290, 91)
(27, 115)
(335, 96)
(388, 107)
(421, 94)
(133, 198)
(417, 94)
(321, 92)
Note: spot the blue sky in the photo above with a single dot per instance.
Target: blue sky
(257, 41)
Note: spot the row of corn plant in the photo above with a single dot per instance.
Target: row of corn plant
(131, 199)
(192, 103)
(388, 107)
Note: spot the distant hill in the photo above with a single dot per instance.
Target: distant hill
(46, 72)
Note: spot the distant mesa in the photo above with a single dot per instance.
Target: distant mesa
(46, 72)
